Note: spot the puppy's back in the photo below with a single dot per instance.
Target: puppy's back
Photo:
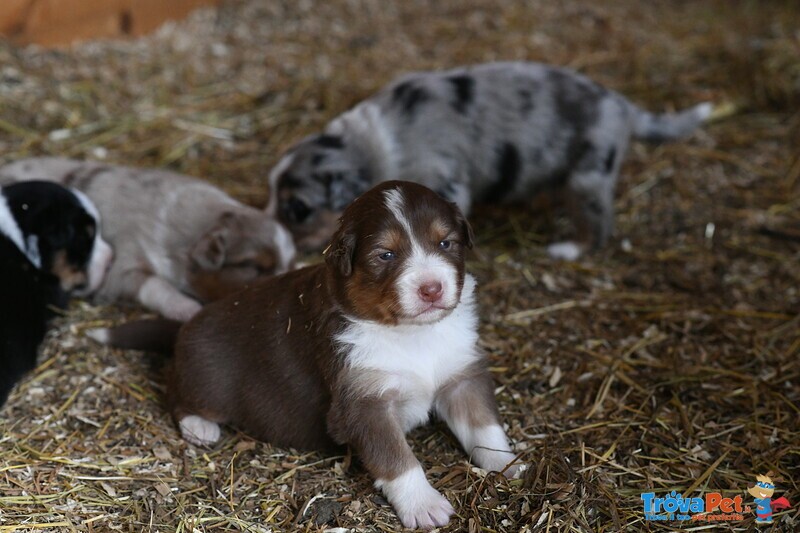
(222, 371)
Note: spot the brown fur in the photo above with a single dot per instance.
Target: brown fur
(70, 276)
(470, 398)
(266, 359)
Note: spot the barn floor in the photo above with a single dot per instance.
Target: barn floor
(668, 362)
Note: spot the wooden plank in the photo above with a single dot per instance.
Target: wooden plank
(60, 22)
(12, 15)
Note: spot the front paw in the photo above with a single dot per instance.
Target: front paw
(418, 505)
(182, 310)
(497, 461)
(428, 511)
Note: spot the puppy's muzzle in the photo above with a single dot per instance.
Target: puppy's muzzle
(430, 292)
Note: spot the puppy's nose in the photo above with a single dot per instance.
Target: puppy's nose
(430, 292)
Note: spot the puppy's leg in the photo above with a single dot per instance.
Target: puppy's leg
(371, 427)
(470, 410)
(592, 203)
(17, 358)
(159, 295)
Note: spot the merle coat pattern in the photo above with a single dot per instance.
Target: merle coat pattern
(493, 133)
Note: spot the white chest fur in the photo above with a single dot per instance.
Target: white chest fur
(413, 361)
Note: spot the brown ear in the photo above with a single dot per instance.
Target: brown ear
(341, 252)
(209, 252)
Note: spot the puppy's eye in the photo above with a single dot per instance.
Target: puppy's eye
(387, 256)
(445, 244)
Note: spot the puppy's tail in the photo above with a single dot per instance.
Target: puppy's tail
(655, 127)
(156, 335)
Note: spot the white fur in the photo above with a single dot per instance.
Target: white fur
(87, 204)
(417, 503)
(704, 110)
(422, 268)
(10, 228)
(102, 254)
(159, 295)
(419, 269)
(394, 203)
(199, 431)
(413, 360)
(101, 335)
(101, 258)
(32, 250)
(285, 245)
(284, 163)
(565, 251)
(366, 126)
(487, 446)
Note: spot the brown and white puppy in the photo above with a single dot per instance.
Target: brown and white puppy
(355, 351)
(178, 241)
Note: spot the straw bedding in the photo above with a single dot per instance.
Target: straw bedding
(667, 362)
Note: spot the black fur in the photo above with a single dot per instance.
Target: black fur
(448, 191)
(612, 154)
(464, 88)
(28, 295)
(509, 165)
(576, 107)
(575, 102)
(290, 181)
(409, 97)
(525, 101)
(330, 141)
(576, 158)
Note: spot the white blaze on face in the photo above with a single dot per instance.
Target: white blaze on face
(419, 269)
(102, 254)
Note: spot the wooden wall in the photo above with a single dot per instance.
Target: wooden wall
(61, 22)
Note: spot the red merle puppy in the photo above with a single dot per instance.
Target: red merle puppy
(356, 351)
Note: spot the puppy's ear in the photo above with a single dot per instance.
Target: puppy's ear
(466, 228)
(341, 252)
(209, 252)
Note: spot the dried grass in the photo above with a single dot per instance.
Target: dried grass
(667, 362)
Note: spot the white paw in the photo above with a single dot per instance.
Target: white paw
(565, 251)
(495, 461)
(100, 335)
(492, 452)
(182, 310)
(704, 110)
(198, 430)
(418, 505)
(432, 510)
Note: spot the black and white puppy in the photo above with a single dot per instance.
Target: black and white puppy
(50, 246)
(491, 133)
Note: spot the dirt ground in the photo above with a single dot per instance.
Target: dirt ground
(668, 362)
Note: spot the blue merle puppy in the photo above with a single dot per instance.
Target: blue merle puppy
(496, 132)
